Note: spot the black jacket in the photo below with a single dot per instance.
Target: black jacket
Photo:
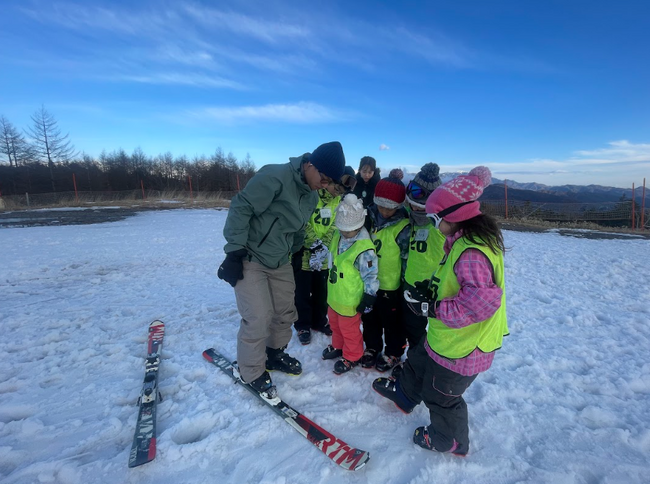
(366, 191)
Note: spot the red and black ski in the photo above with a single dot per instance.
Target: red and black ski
(341, 453)
(144, 440)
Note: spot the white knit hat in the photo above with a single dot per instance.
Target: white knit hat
(350, 214)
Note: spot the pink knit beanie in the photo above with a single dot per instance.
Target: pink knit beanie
(457, 198)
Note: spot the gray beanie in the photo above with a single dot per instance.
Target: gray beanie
(428, 177)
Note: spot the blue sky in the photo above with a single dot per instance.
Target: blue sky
(550, 91)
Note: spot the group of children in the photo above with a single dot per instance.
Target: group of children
(421, 267)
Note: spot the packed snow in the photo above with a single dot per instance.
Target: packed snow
(566, 400)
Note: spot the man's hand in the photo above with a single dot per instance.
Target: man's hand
(231, 269)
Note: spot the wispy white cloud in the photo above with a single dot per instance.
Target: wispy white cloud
(241, 42)
(435, 48)
(173, 78)
(384, 147)
(176, 54)
(266, 30)
(299, 113)
(619, 164)
(621, 151)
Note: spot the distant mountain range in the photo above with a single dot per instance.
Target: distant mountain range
(537, 192)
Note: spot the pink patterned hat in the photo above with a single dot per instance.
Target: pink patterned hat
(456, 200)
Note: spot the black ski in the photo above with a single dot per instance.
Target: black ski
(341, 453)
(144, 440)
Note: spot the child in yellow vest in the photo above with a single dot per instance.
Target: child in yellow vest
(466, 309)
(388, 224)
(311, 275)
(352, 284)
(310, 264)
(425, 250)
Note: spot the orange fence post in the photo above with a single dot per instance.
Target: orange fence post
(632, 206)
(74, 182)
(505, 184)
(190, 179)
(142, 187)
(643, 207)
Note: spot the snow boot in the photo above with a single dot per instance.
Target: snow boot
(397, 369)
(304, 336)
(343, 366)
(389, 388)
(277, 359)
(330, 353)
(422, 438)
(264, 386)
(325, 329)
(385, 363)
(369, 358)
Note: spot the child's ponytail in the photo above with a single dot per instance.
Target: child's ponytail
(483, 230)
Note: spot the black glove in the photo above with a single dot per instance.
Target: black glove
(231, 269)
(422, 291)
(367, 301)
(420, 299)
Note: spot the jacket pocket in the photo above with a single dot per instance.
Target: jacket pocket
(268, 232)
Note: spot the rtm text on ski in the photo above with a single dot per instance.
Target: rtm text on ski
(341, 453)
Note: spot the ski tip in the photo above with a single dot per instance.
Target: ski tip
(156, 322)
(207, 354)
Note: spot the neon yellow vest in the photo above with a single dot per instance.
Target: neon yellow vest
(486, 335)
(425, 253)
(322, 221)
(388, 254)
(345, 286)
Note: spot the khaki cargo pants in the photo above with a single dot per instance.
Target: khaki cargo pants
(265, 299)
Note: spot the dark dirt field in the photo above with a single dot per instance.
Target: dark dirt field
(62, 216)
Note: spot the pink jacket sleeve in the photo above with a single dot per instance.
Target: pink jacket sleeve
(479, 297)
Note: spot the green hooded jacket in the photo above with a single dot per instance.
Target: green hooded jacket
(268, 217)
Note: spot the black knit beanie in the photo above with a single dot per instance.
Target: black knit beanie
(329, 159)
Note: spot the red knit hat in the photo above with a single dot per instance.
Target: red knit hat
(457, 200)
(390, 193)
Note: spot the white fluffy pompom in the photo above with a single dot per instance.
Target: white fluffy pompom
(483, 173)
(352, 200)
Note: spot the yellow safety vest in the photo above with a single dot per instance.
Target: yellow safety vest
(487, 335)
(345, 286)
(388, 255)
(426, 250)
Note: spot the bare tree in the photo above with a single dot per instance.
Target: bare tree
(13, 144)
(49, 144)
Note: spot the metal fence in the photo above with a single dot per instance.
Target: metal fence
(608, 213)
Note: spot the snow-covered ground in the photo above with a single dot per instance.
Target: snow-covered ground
(567, 400)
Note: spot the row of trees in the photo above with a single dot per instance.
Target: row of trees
(41, 159)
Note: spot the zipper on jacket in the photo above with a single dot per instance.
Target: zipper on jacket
(268, 232)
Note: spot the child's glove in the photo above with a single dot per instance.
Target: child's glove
(365, 306)
(231, 269)
(420, 299)
(318, 255)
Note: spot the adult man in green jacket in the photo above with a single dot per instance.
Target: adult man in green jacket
(265, 226)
